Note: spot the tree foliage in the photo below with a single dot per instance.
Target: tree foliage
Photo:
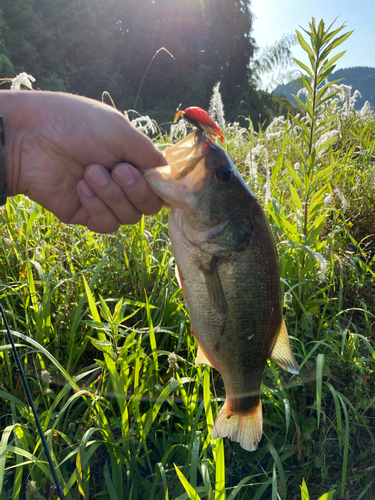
(91, 46)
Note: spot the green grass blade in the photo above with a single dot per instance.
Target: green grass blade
(193, 495)
(279, 466)
(346, 447)
(319, 384)
(220, 470)
(304, 491)
(108, 481)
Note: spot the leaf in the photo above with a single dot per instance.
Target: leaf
(220, 470)
(193, 495)
(300, 102)
(304, 67)
(308, 87)
(319, 382)
(279, 466)
(306, 47)
(335, 58)
(295, 197)
(93, 309)
(238, 487)
(304, 491)
(290, 168)
(3, 451)
(346, 445)
(108, 481)
(328, 495)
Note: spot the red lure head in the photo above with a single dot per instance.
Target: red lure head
(199, 118)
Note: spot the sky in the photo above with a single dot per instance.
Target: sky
(273, 18)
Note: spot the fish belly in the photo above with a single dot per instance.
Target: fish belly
(236, 344)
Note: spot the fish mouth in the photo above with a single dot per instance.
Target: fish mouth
(185, 172)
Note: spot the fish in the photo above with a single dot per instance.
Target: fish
(199, 118)
(227, 267)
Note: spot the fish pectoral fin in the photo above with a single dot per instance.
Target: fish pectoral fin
(281, 353)
(215, 288)
(201, 357)
(180, 281)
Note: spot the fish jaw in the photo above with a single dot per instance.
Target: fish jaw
(178, 183)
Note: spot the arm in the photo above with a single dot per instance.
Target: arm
(59, 150)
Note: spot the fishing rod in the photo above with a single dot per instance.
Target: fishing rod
(31, 403)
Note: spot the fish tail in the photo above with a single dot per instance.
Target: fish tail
(244, 427)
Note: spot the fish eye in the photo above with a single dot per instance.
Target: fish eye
(223, 173)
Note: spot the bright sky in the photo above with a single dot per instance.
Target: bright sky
(273, 18)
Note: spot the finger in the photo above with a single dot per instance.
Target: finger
(139, 150)
(136, 189)
(113, 195)
(94, 213)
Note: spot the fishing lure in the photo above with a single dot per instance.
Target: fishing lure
(199, 118)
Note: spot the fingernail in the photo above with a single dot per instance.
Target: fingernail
(123, 175)
(85, 189)
(97, 176)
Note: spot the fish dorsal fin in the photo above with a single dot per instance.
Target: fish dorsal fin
(201, 357)
(215, 288)
(281, 353)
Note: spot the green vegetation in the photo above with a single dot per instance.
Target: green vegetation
(87, 47)
(104, 337)
(360, 78)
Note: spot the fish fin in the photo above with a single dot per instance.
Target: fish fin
(215, 289)
(281, 353)
(245, 428)
(201, 357)
(180, 281)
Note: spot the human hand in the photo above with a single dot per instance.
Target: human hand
(59, 150)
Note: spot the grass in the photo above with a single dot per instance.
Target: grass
(124, 409)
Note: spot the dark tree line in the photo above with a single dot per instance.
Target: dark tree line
(90, 46)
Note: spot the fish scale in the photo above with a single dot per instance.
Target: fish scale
(228, 269)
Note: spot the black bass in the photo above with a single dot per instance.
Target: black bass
(228, 270)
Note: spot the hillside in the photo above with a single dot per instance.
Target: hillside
(360, 78)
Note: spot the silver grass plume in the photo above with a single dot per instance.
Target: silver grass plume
(22, 79)
(216, 109)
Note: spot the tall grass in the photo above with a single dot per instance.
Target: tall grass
(104, 336)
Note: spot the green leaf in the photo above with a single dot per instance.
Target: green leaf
(238, 487)
(308, 87)
(346, 446)
(93, 309)
(279, 466)
(304, 491)
(301, 103)
(220, 470)
(108, 481)
(3, 451)
(193, 495)
(332, 61)
(328, 495)
(306, 47)
(338, 413)
(295, 197)
(304, 67)
(290, 168)
(319, 382)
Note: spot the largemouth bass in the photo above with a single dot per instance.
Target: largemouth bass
(228, 271)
